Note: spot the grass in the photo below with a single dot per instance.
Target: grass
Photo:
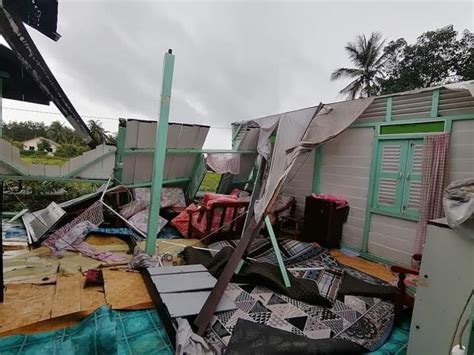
(210, 182)
(46, 160)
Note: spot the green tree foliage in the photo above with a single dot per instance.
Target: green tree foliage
(368, 60)
(62, 134)
(36, 195)
(56, 132)
(16, 132)
(97, 131)
(70, 150)
(44, 146)
(437, 57)
(22, 131)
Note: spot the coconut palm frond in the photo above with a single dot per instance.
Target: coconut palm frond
(369, 60)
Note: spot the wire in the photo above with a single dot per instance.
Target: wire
(58, 113)
(87, 116)
(459, 321)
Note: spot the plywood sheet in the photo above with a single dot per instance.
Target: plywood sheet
(25, 304)
(73, 296)
(374, 269)
(117, 284)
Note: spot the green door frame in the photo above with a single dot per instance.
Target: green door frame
(433, 117)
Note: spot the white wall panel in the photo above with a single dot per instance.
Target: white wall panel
(345, 173)
(300, 181)
(461, 150)
(392, 238)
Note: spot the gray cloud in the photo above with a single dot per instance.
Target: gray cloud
(234, 60)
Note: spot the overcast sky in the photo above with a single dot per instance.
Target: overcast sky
(235, 60)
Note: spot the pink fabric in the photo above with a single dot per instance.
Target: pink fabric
(181, 221)
(433, 181)
(94, 214)
(74, 240)
(339, 200)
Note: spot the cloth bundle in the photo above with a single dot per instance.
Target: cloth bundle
(458, 201)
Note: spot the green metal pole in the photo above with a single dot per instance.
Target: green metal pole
(276, 248)
(317, 169)
(388, 109)
(160, 153)
(119, 153)
(434, 103)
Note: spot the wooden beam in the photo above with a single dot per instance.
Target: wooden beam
(250, 230)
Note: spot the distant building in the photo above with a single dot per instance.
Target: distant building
(32, 144)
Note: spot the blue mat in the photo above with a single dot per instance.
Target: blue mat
(104, 332)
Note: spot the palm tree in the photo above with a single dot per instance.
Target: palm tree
(369, 59)
(97, 131)
(56, 132)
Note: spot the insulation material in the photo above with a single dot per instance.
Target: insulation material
(120, 283)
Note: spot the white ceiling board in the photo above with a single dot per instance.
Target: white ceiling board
(185, 304)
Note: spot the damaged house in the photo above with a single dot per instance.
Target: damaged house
(340, 228)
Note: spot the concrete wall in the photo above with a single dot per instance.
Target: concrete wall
(345, 172)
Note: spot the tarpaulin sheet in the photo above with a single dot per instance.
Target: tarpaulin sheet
(104, 332)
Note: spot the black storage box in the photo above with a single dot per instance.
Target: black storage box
(323, 222)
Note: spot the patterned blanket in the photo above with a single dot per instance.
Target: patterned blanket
(366, 321)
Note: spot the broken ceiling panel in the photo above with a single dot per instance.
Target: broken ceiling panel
(38, 223)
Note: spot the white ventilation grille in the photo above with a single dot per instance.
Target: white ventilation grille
(455, 103)
(417, 159)
(391, 158)
(414, 197)
(387, 191)
(375, 111)
(411, 106)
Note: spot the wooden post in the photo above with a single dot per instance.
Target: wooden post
(251, 228)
